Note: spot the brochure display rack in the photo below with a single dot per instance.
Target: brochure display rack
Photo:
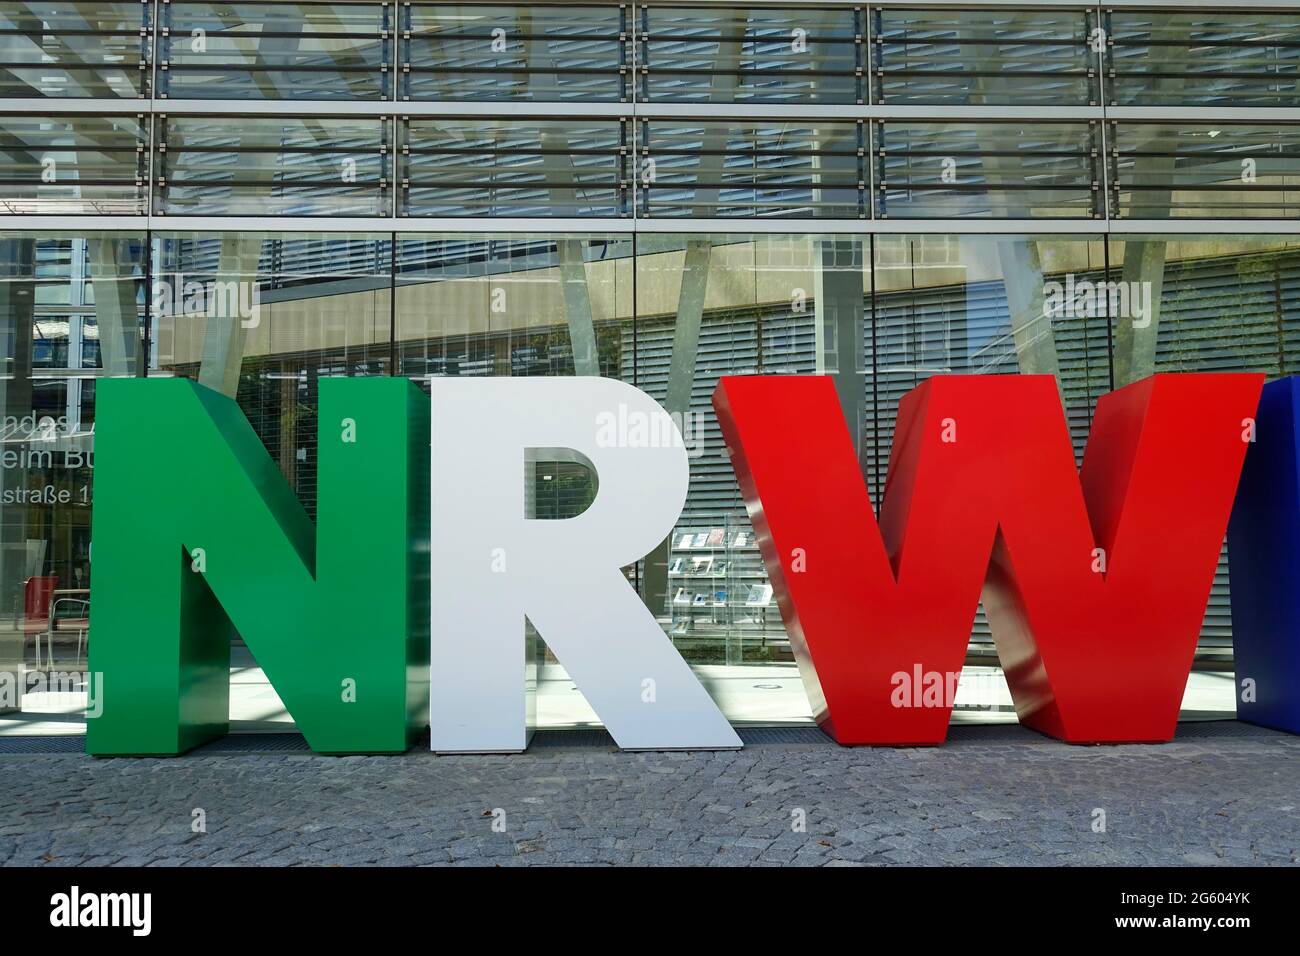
(720, 603)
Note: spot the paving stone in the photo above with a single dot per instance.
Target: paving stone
(1210, 801)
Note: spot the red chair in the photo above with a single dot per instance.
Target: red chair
(38, 594)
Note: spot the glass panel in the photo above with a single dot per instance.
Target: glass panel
(1217, 304)
(1162, 170)
(537, 53)
(983, 305)
(976, 305)
(73, 165)
(761, 55)
(1206, 58)
(270, 51)
(774, 169)
(70, 313)
(264, 167)
(984, 57)
(567, 168)
(74, 48)
(262, 317)
(987, 170)
(1213, 304)
(714, 305)
(527, 305)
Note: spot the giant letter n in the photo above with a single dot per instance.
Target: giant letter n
(195, 531)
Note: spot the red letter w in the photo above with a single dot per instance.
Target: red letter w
(1095, 584)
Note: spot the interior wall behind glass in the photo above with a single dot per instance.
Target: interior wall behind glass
(476, 304)
(1207, 304)
(714, 305)
(262, 318)
(70, 314)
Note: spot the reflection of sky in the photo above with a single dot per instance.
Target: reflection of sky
(987, 315)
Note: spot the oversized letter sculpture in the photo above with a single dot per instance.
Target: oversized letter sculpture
(1098, 581)
(195, 530)
(1264, 562)
(493, 564)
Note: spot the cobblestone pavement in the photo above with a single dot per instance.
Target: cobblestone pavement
(1229, 795)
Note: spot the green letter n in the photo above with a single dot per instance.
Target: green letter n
(195, 531)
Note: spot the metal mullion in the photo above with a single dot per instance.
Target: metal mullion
(1208, 187)
(777, 37)
(291, 35)
(869, 53)
(498, 184)
(508, 153)
(132, 180)
(57, 223)
(996, 153)
(1212, 157)
(1173, 6)
(97, 148)
(1109, 210)
(598, 111)
(634, 120)
(867, 140)
(954, 74)
(277, 182)
(1233, 44)
(72, 32)
(173, 67)
(757, 74)
(288, 3)
(68, 67)
(602, 37)
(1229, 115)
(393, 133)
(1110, 320)
(1185, 75)
(155, 53)
(149, 164)
(794, 153)
(242, 150)
(1066, 42)
(978, 187)
(802, 112)
(757, 186)
(576, 70)
(387, 166)
(395, 71)
(151, 133)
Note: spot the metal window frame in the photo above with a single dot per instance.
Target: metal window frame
(723, 111)
(282, 225)
(636, 111)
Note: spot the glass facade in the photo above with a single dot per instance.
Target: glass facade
(258, 195)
